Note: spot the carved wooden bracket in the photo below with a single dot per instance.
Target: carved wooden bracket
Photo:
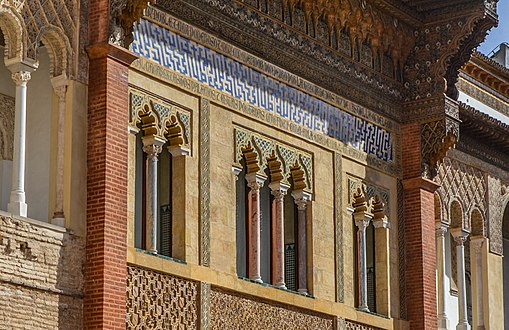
(123, 14)
(437, 137)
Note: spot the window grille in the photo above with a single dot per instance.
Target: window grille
(371, 289)
(290, 271)
(165, 230)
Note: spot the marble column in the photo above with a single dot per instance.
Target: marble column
(60, 89)
(301, 199)
(152, 146)
(460, 238)
(476, 253)
(278, 190)
(17, 202)
(440, 232)
(255, 183)
(362, 222)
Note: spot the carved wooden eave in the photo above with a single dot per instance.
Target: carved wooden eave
(488, 72)
(485, 128)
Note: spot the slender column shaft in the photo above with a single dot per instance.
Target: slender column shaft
(362, 222)
(440, 232)
(153, 151)
(60, 88)
(278, 236)
(476, 245)
(301, 199)
(254, 268)
(462, 297)
(17, 205)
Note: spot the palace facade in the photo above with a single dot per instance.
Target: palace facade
(253, 164)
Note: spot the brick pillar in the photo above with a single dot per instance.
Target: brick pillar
(105, 269)
(419, 217)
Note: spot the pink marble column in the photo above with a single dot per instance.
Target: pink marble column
(301, 199)
(278, 190)
(254, 182)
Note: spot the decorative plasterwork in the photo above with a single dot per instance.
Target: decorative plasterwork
(498, 199)
(204, 182)
(343, 324)
(246, 84)
(123, 14)
(338, 223)
(268, 157)
(6, 126)
(27, 24)
(371, 191)
(464, 184)
(230, 311)
(160, 301)
(160, 118)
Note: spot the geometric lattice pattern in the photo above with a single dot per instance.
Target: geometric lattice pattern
(206, 66)
(160, 301)
(265, 146)
(233, 312)
(163, 112)
(465, 184)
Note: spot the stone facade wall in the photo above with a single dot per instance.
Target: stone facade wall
(41, 276)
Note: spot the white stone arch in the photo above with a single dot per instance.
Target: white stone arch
(15, 34)
(59, 49)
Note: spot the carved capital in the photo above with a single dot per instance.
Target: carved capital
(362, 221)
(301, 199)
(255, 182)
(21, 77)
(152, 151)
(278, 190)
(460, 236)
(152, 146)
(440, 230)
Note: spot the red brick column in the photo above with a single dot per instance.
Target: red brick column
(419, 217)
(106, 269)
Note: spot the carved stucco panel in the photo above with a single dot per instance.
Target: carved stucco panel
(498, 195)
(6, 126)
(160, 301)
(464, 183)
(231, 312)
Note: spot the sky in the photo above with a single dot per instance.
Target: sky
(499, 34)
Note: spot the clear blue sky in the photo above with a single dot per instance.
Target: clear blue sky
(499, 34)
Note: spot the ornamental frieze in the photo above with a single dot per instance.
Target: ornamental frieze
(237, 80)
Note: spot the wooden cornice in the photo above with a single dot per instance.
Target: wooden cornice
(488, 72)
